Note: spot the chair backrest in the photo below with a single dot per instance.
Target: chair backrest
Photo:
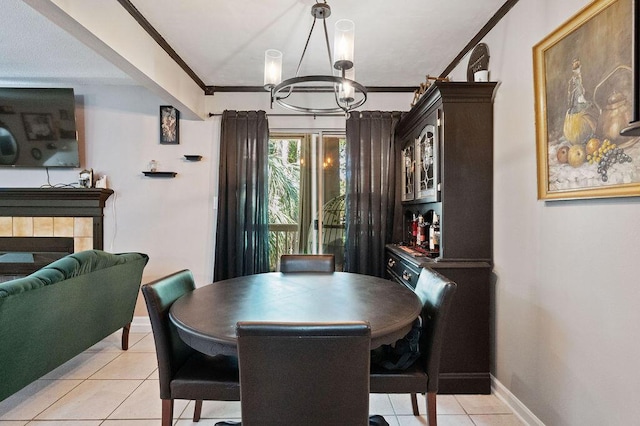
(307, 263)
(436, 292)
(304, 373)
(171, 351)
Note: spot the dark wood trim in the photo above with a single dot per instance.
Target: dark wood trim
(135, 13)
(58, 202)
(211, 90)
(55, 202)
(506, 7)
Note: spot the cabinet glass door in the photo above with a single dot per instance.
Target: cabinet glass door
(427, 164)
(408, 173)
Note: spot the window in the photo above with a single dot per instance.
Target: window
(307, 171)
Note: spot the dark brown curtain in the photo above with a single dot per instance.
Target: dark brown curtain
(304, 211)
(242, 236)
(371, 190)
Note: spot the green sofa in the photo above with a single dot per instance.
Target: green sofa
(62, 309)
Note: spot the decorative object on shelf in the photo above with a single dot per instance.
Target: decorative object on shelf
(153, 165)
(85, 179)
(478, 64)
(193, 157)
(169, 125)
(583, 89)
(349, 94)
(160, 174)
(424, 86)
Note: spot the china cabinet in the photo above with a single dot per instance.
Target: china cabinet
(445, 146)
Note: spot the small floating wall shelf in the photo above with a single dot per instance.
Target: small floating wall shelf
(160, 174)
(193, 157)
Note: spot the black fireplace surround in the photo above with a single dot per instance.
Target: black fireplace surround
(24, 255)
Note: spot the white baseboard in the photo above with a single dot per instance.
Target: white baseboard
(518, 408)
(141, 325)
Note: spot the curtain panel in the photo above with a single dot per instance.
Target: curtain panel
(371, 190)
(242, 231)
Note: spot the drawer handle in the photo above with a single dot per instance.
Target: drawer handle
(406, 276)
(391, 263)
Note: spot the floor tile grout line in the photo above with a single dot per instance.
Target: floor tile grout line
(33, 418)
(123, 401)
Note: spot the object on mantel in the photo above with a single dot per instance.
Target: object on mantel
(160, 174)
(193, 157)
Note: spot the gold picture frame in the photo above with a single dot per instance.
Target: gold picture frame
(583, 85)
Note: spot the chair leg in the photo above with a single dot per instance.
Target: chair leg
(197, 411)
(125, 336)
(431, 409)
(167, 412)
(414, 404)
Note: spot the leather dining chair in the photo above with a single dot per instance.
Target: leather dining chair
(436, 292)
(304, 373)
(184, 372)
(307, 263)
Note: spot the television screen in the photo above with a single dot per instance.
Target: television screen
(38, 128)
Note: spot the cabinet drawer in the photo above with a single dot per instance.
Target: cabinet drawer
(402, 271)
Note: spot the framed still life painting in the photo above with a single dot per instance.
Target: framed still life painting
(169, 125)
(583, 83)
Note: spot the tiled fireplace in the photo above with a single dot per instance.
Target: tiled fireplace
(51, 214)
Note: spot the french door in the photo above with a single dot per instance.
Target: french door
(307, 182)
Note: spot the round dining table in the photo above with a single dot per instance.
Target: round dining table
(206, 318)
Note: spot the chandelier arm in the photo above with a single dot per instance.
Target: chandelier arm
(305, 46)
(287, 86)
(344, 108)
(326, 39)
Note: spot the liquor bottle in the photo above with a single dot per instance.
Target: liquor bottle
(434, 234)
(422, 230)
(414, 230)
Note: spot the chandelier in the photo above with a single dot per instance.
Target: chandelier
(349, 94)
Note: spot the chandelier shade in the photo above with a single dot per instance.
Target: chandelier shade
(348, 93)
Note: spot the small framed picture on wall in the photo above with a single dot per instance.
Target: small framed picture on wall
(169, 125)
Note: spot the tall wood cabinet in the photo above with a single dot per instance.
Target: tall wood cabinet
(445, 151)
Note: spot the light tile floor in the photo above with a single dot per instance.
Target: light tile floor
(110, 387)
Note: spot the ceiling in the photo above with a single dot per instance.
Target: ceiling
(223, 41)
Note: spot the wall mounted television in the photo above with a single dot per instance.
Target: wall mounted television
(38, 128)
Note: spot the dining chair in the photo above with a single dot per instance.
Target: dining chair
(436, 292)
(307, 263)
(304, 373)
(185, 373)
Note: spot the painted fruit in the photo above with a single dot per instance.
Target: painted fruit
(577, 155)
(563, 154)
(592, 145)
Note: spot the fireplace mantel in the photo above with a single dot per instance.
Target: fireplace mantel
(57, 203)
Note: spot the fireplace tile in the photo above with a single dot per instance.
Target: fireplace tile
(6, 226)
(23, 227)
(82, 243)
(43, 227)
(83, 227)
(63, 226)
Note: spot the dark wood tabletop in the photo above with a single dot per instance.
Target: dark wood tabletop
(206, 318)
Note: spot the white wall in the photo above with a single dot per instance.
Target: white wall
(567, 292)
(171, 220)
